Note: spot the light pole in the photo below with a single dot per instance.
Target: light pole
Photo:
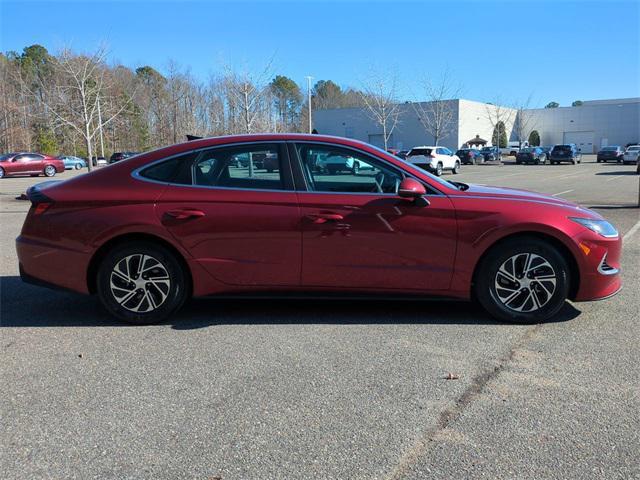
(309, 98)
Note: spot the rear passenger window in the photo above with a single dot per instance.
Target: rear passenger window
(254, 167)
(176, 170)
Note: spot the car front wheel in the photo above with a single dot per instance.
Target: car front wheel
(49, 171)
(141, 283)
(525, 280)
(1, 172)
(439, 169)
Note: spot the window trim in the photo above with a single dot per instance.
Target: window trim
(287, 177)
(296, 165)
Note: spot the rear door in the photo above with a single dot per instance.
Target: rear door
(359, 234)
(239, 221)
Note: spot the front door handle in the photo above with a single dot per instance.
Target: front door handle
(184, 213)
(320, 218)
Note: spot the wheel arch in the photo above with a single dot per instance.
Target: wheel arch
(567, 254)
(103, 250)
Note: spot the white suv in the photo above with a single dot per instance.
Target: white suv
(434, 159)
(631, 154)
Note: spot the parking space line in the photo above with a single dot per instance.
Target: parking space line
(560, 193)
(613, 178)
(631, 231)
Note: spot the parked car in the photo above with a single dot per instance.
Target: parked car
(491, 154)
(117, 156)
(98, 161)
(547, 150)
(174, 223)
(565, 153)
(25, 163)
(470, 156)
(513, 148)
(434, 159)
(403, 154)
(334, 164)
(612, 152)
(531, 155)
(72, 163)
(631, 154)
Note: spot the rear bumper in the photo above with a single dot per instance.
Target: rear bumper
(51, 266)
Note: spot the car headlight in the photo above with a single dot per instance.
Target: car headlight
(601, 227)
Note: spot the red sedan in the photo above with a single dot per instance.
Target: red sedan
(33, 164)
(188, 220)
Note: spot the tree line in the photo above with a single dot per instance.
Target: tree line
(76, 103)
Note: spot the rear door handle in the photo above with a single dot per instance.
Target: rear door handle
(320, 218)
(184, 213)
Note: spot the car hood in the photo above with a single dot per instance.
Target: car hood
(521, 195)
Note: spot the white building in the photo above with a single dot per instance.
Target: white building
(594, 124)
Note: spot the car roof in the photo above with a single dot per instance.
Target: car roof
(426, 146)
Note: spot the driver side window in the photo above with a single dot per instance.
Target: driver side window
(334, 169)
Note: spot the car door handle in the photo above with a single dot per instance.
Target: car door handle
(320, 218)
(182, 214)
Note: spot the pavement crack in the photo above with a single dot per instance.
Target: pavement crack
(453, 412)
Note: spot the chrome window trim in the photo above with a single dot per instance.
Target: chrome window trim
(136, 173)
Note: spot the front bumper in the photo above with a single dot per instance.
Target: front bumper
(599, 265)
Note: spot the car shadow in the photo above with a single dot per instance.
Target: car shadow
(624, 172)
(23, 305)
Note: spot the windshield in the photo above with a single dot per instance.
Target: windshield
(634, 148)
(486, 149)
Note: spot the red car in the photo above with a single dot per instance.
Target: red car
(151, 231)
(32, 164)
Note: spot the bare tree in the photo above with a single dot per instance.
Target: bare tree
(79, 96)
(499, 118)
(522, 124)
(379, 95)
(438, 114)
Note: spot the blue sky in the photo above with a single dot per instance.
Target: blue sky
(552, 50)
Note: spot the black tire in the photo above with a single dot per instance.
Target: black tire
(598, 161)
(456, 168)
(1, 172)
(492, 298)
(49, 171)
(77, 166)
(175, 294)
(439, 169)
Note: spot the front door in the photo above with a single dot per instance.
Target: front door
(358, 233)
(239, 216)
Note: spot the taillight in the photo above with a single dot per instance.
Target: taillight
(40, 208)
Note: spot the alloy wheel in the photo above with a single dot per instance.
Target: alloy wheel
(49, 171)
(140, 283)
(525, 282)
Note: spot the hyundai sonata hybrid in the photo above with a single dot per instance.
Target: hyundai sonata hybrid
(149, 232)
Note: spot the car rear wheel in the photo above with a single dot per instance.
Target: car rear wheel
(525, 280)
(49, 171)
(77, 166)
(141, 283)
(439, 169)
(456, 168)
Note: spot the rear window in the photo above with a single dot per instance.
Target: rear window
(562, 148)
(609, 149)
(527, 150)
(419, 151)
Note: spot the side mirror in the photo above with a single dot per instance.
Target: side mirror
(410, 188)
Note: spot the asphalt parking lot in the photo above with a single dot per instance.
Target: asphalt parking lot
(340, 389)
